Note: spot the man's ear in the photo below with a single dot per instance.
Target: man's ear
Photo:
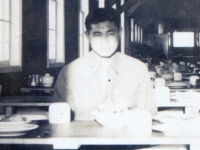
(87, 34)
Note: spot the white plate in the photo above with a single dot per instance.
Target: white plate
(178, 129)
(177, 85)
(10, 130)
(13, 122)
(35, 117)
(177, 118)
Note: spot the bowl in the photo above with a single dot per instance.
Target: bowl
(112, 120)
(167, 76)
(47, 80)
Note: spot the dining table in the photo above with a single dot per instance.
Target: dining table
(77, 133)
(25, 101)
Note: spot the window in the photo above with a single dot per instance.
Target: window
(11, 35)
(183, 39)
(132, 30)
(123, 28)
(83, 41)
(56, 34)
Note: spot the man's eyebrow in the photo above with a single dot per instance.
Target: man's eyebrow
(112, 30)
(96, 32)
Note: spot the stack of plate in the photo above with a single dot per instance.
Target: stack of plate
(178, 125)
(10, 129)
(177, 85)
(19, 127)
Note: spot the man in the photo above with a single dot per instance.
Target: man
(104, 74)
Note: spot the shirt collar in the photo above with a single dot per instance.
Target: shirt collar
(96, 62)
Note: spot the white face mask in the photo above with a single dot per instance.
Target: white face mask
(104, 38)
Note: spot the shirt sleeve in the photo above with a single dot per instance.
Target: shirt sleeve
(145, 94)
(63, 91)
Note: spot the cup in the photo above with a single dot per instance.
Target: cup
(162, 95)
(193, 80)
(159, 82)
(139, 123)
(177, 76)
(59, 113)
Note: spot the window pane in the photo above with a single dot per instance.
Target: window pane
(52, 14)
(4, 40)
(60, 34)
(123, 33)
(132, 30)
(136, 33)
(5, 10)
(183, 39)
(16, 30)
(52, 44)
(101, 3)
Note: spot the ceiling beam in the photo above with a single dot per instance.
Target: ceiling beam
(111, 2)
(126, 5)
(134, 7)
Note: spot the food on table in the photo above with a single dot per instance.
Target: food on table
(14, 118)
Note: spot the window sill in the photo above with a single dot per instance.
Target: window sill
(54, 65)
(10, 69)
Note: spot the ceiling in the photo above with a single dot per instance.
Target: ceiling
(175, 14)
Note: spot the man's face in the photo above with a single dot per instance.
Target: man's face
(104, 38)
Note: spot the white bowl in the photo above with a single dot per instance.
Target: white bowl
(112, 120)
(167, 76)
(47, 80)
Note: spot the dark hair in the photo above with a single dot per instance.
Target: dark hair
(101, 15)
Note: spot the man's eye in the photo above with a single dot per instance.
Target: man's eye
(111, 33)
(97, 34)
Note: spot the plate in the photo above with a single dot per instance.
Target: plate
(178, 129)
(177, 84)
(13, 122)
(177, 118)
(10, 130)
(35, 117)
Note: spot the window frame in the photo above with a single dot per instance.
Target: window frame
(14, 62)
(194, 41)
(59, 40)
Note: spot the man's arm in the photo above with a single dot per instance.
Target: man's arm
(146, 94)
(63, 90)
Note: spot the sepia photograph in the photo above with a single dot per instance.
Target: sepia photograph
(100, 74)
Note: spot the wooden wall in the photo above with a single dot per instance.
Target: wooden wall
(34, 47)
